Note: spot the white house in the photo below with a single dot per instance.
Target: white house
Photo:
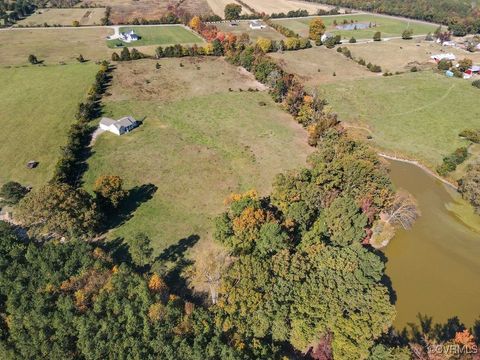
(257, 25)
(128, 36)
(440, 57)
(326, 36)
(118, 127)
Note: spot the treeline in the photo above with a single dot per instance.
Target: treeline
(458, 15)
(11, 12)
(69, 168)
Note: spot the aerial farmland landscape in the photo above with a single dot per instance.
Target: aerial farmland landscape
(240, 179)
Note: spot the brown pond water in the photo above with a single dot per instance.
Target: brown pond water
(435, 267)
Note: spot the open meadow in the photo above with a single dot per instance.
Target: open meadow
(218, 7)
(38, 104)
(64, 17)
(125, 11)
(278, 6)
(242, 27)
(201, 139)
(388, 26)
(158, 35)
(320, 65)
(402, 55)
(53, 45)
(418, 115)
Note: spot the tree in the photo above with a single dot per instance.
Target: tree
(80, 58)
(470, 186)
(232, 11)
(136, 55)
(407, 34)
(316, 29)
(403, 212)
(115, 57)
(58, 210)
(264, 44)
(377, 36)
(12, 192)
(125, 54)
(444, 64)
(75, 23)
(32, 59)
(209, 268)
(345, 223)
(352, 40)
(195, 23)
(465, 64)
(109, 190)
(140, 249)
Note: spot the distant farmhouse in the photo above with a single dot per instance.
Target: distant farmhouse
(257, 25)
(128, 36)
(326, 36)
(118, 127)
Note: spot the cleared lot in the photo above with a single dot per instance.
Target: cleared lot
(244, 27)
(318, 66)
(64, 17)
(218, 7)
(278, 6)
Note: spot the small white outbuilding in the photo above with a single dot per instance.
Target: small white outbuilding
(118, 127)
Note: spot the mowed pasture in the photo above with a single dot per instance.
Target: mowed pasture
(417, 115)
(320, 65)
(244, 27)
(402, 55)
(278, 6)
(53, 45)
(198, 143)
(64, 17)
(125, 11)
(388, 26)
(218, 7)
(37, 107)
(158, 35)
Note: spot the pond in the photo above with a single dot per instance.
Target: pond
(435, 267)
(355, 26)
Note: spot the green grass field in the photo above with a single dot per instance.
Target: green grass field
(37, 107)
(415, 114)
(389, 27)
(158, 35)
(196, 148)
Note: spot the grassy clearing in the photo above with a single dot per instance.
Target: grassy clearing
(218, 7)
(244, 27)
(125, 11)
(64, 17)
(53, 45)
(195, 149)
(416, 114)
(37, 108)
(402, 55)
(278, 6)
(318, 65)
(158, 35)
(389, 27)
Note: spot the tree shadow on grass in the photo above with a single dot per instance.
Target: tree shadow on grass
(173, 260)
(135, 197)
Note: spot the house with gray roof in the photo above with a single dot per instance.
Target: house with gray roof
(118, 127)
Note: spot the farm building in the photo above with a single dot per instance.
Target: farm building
(326, 36)
(118, 127)
(440, 57)
(257, 25)
(128, 36)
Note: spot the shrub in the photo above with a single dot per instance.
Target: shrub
(444, 65)
(451, 161)
(352, 40)
(407, 34)
(377, 36)
(472, 135)
(12, 192)
(476, 83)
(414, 69)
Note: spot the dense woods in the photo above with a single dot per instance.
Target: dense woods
(459, 15)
